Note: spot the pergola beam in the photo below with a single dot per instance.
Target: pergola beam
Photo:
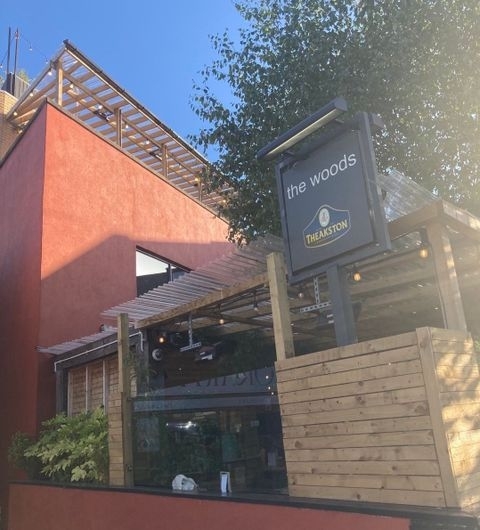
(204, 301)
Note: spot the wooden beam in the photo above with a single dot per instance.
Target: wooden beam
(282, 325)
(447, 280)
(413, 221)
(124, 388)
(448, 213)
(204, 301)
(461, 220)
(165, 160)
(118, 119)
(438, 426)
(59, 83)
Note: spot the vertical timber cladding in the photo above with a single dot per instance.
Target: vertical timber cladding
(90, 384)
(394, 420)
(329, 203)
(458, 386)
(356, 424)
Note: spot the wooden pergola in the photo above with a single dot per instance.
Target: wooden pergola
(396, 413)
(399, 291)
(77, 86)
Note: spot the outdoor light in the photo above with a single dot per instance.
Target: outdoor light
(423, 252)
(307, 126)
(157, 354)
(356, 276)
(423, 249)
(221, 321)
(103, 113)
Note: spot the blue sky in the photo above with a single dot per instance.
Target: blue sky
(154, 49)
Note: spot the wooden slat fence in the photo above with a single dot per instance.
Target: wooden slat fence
(384, 421)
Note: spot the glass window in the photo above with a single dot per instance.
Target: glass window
(152, 271)
(226, 423)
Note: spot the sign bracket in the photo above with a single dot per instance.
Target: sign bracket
(318, 303)
(343, 315)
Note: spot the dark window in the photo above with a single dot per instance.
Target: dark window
(152, 271)
(207, 408)
(229, 423)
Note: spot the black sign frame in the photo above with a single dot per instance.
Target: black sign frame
(300, 266)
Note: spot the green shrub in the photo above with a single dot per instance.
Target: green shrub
(68, 449)
(19, 443)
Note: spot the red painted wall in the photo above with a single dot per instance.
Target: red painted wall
(21, 185)
(50, 508)
(98, 206)
(73, 209)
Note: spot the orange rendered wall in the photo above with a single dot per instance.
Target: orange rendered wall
(50, 508)
(98, 206)
(21, 185)
(73, 210)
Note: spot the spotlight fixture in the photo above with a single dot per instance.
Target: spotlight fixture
(221, 320)
(307, 126)
(157, 354)
(103, 113)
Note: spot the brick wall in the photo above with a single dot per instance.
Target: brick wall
(8, 134)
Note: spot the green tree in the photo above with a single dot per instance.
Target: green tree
(414, 62)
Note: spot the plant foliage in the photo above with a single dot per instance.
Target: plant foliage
(68, 449)
(414, 62)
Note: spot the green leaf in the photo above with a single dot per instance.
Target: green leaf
(414, 62)
(69, 448)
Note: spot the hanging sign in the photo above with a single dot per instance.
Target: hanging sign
(330, 206)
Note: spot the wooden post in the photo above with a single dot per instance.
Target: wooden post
(282, 326)
(124, 386)
(447, 281)
(430, 377)
(59, 70)
(165, 160)
(118, 119)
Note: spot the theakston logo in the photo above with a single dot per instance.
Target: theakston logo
(328, 225)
